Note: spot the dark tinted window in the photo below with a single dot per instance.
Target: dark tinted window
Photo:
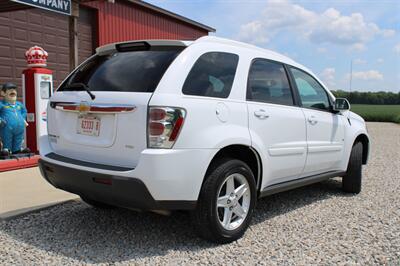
(212, 75)
(135, 71)
(269, 83)
(312, 94)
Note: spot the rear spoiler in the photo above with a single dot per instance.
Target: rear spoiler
(141, 45)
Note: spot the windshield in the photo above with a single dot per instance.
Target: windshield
(134, 71)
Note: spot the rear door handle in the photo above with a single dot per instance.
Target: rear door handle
(261, 114)
(312, 120)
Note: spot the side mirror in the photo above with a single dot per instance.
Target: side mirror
(341, 104)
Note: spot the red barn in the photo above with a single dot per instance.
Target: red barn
(71, 39)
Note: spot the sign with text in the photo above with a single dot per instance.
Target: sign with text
(59, 6)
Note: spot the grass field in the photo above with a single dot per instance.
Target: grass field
(378, 113)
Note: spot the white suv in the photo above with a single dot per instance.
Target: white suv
(208, 126)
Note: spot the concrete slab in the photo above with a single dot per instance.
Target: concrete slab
(23, 191)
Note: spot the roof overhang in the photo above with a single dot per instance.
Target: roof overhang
(171, 14)
(6, 5)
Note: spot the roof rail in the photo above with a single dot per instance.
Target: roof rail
(213, 39)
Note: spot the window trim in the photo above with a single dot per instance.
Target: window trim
(330, 110)
(295, 103)
(293, 86)
(233, 81)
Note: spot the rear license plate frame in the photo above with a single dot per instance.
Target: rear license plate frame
(92, 124)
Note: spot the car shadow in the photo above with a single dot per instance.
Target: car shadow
(281, 203)
(89, 235)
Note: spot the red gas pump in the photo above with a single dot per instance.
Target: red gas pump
(37, 87)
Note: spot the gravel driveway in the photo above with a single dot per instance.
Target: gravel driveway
(317, 224)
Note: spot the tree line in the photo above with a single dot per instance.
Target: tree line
(380, 97)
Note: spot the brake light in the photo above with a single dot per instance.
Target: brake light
(163, 126)
(157, 114)
(156, 128)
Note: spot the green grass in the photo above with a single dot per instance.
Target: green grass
(378, 113)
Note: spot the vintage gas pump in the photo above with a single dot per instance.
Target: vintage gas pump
(37, 87)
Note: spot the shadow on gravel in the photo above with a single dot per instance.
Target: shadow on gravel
(284, 202)
(82, 233)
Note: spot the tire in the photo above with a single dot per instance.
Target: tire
(351, 182)
(206, 218)
(96, 204)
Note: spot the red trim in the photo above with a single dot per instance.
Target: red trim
(110, 109)
(14, 164)
(31, 107)
(102, 109)
(38, 70)
(70, 108)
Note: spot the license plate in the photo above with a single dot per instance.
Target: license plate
(88, 125)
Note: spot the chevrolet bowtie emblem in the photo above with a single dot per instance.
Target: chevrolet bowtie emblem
(84, 107)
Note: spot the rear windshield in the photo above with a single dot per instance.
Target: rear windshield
(133, 71)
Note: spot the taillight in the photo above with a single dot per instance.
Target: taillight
(163, 126)
(156, 128)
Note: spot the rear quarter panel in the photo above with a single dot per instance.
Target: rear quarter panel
(210, 123)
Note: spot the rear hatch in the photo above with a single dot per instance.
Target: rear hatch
(99, 113)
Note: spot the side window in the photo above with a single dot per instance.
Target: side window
(268, 83)
(312, 94)
(212, 75)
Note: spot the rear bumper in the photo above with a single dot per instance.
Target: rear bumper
(115, 190)
(168, 175)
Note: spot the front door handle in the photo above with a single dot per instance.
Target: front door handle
(312, 120)
(261, 114)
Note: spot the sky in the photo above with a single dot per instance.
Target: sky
(325, 36)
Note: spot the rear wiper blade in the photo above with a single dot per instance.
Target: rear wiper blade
(79, 86)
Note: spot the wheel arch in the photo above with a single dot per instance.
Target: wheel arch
(241, 152)
(363, 138)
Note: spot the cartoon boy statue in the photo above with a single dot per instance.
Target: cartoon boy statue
(12, 120)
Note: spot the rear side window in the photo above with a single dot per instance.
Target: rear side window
(212, 75)
(269, 83)
(133, 71)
